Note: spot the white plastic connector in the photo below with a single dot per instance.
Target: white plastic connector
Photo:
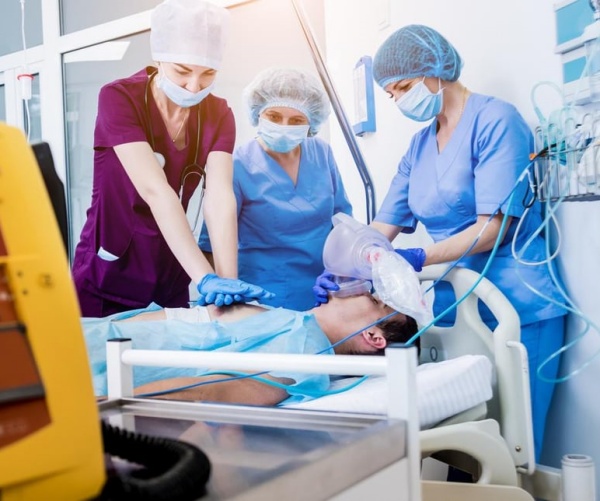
(25, 79)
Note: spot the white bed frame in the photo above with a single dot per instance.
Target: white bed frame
(399, 365)
(502, 442)
(497, 435)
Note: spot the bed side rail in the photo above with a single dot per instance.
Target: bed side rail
(511, 404)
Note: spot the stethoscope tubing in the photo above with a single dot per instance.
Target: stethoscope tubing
(195, 168)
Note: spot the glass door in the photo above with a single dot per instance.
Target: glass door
(85, 72)
(32, 112)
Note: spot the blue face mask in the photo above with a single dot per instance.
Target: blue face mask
(180, 96)
(419, 103)
(281, 138)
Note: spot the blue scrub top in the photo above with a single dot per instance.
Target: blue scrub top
(472, 176)
(282, 227)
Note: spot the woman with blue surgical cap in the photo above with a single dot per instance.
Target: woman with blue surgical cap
(159, 134)
(287, 187)
(457, 171)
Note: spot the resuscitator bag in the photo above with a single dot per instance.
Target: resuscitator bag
(397, 285)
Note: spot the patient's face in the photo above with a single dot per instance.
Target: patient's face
(358, 314)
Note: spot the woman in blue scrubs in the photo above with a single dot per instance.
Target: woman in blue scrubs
(287, 186)
(458, 170)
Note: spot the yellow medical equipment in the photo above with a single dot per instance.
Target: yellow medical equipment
(50, 438)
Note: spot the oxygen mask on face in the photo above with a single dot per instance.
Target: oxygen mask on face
(349, 245)
(357, 253)
(349, 286)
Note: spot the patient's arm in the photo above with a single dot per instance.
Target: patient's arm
(238, 391)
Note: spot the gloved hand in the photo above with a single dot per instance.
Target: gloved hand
(415, 257)
(323, 285)
(220, 291)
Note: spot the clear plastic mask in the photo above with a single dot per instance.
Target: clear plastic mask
(351, 287)
(348, 247)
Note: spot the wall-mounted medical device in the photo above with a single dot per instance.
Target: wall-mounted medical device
(578, 43)
(364, 98)
(567, 140)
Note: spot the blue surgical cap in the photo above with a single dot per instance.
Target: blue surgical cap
(287, 87)
(416, 51)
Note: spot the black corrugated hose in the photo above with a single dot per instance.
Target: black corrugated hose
(172, 470)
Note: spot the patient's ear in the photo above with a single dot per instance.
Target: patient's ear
(374, 338)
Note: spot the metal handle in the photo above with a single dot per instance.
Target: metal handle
(339, 111)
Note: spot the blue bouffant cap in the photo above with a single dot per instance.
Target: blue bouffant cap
(416, 51)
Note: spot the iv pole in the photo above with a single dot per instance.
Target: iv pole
(339, 112)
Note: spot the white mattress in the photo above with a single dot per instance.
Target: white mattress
(444, 390)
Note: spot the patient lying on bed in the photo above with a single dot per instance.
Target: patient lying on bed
(245, 328)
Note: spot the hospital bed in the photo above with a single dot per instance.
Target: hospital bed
(262, 453)
(473, 385)
(481, 423)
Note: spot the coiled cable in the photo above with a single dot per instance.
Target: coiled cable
(172, 470)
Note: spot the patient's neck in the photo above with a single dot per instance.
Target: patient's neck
(336, 317)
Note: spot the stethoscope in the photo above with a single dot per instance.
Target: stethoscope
(190, 170)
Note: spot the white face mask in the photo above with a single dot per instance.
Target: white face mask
(281, 138)
(180, 96)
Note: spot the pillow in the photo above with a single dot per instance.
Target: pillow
(444, 389)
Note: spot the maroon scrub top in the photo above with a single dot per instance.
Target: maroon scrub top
(122, 257)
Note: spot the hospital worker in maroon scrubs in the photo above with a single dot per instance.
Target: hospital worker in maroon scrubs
(159, 135)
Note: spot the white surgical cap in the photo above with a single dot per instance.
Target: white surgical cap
(188, 32)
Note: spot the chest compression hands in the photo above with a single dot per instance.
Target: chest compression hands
(221, 291)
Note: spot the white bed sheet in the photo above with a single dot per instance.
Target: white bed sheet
(444, 389)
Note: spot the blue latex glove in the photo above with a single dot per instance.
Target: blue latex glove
(415, 256)
(323, 285)
(222, 291)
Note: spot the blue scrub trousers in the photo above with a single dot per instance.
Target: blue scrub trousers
(542, 339)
